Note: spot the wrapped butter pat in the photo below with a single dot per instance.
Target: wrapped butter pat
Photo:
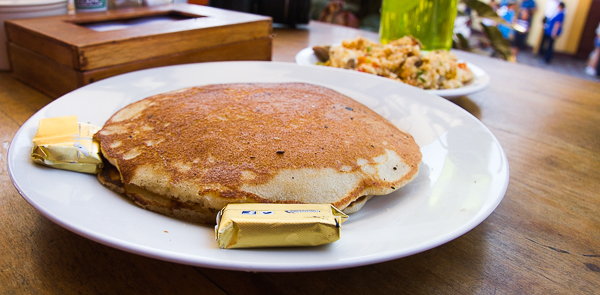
(278, 225)
(64, 143)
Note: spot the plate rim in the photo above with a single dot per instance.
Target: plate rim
(184, 259)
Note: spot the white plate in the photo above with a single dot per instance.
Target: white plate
(481, 79)
(463, 177)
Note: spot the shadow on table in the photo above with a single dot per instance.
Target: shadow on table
(468, 105)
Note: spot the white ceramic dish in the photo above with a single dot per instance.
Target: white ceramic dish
(463, 176)
(306, 56)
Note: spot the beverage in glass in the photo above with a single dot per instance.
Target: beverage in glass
(430, 21)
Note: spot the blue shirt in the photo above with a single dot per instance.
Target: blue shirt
(559, 17)
(509, 17)
(528, 4)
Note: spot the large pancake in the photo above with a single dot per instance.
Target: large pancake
(190, 152)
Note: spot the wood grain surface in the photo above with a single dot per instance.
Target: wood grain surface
(65, 39)
(544, 238)
(32, 68)
(77, 55)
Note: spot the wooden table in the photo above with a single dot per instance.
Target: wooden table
(543, 238)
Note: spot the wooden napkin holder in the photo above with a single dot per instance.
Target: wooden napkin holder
(61, 53)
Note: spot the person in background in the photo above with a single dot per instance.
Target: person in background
(552, 29)
(507, 12)
(592, 64)
(521, 29)
(551, 9)
(522, 25)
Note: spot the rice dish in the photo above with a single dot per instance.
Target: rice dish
(401, 60)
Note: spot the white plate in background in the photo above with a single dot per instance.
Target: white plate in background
(480, 81)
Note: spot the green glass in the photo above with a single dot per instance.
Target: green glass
(431, 21)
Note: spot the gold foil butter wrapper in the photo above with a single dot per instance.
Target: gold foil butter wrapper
(278, 225)
(64, 143)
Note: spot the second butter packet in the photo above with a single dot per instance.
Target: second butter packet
(253, 225)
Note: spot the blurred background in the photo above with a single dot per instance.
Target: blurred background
(472, 25)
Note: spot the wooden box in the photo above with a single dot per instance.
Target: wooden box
(59, 54)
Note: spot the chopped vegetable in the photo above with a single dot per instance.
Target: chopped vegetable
(400, 60)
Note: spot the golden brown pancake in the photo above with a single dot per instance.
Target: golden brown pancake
(190, 152)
